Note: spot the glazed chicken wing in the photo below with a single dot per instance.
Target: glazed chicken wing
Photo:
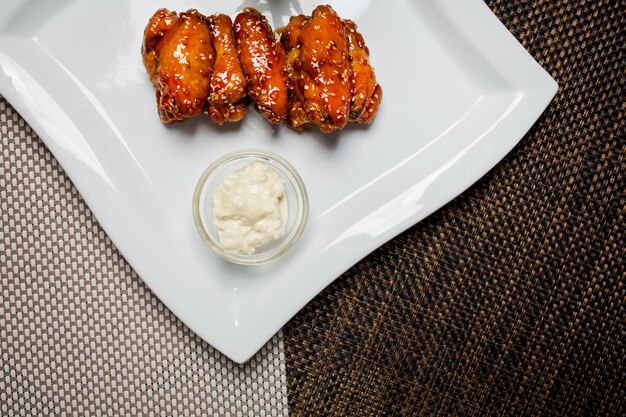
(366, 92)
(263, 62)
(297, 117)
(179, 58)
(326, 69)
(319, 72)
(227, 99)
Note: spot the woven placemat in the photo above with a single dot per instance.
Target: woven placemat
(80, 333)
(511, 299)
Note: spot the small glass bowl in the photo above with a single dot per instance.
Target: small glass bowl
(297, 203)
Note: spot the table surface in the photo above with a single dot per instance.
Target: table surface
(509, 300)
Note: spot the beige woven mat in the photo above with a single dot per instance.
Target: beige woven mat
(80, 334)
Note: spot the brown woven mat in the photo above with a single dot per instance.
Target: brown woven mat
(511, 299)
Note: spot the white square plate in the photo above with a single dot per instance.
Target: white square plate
(459, 93)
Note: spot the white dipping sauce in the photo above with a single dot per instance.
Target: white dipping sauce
(250, 208)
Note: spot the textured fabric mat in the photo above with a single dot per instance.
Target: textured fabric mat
(80, 334)
(511, 299)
